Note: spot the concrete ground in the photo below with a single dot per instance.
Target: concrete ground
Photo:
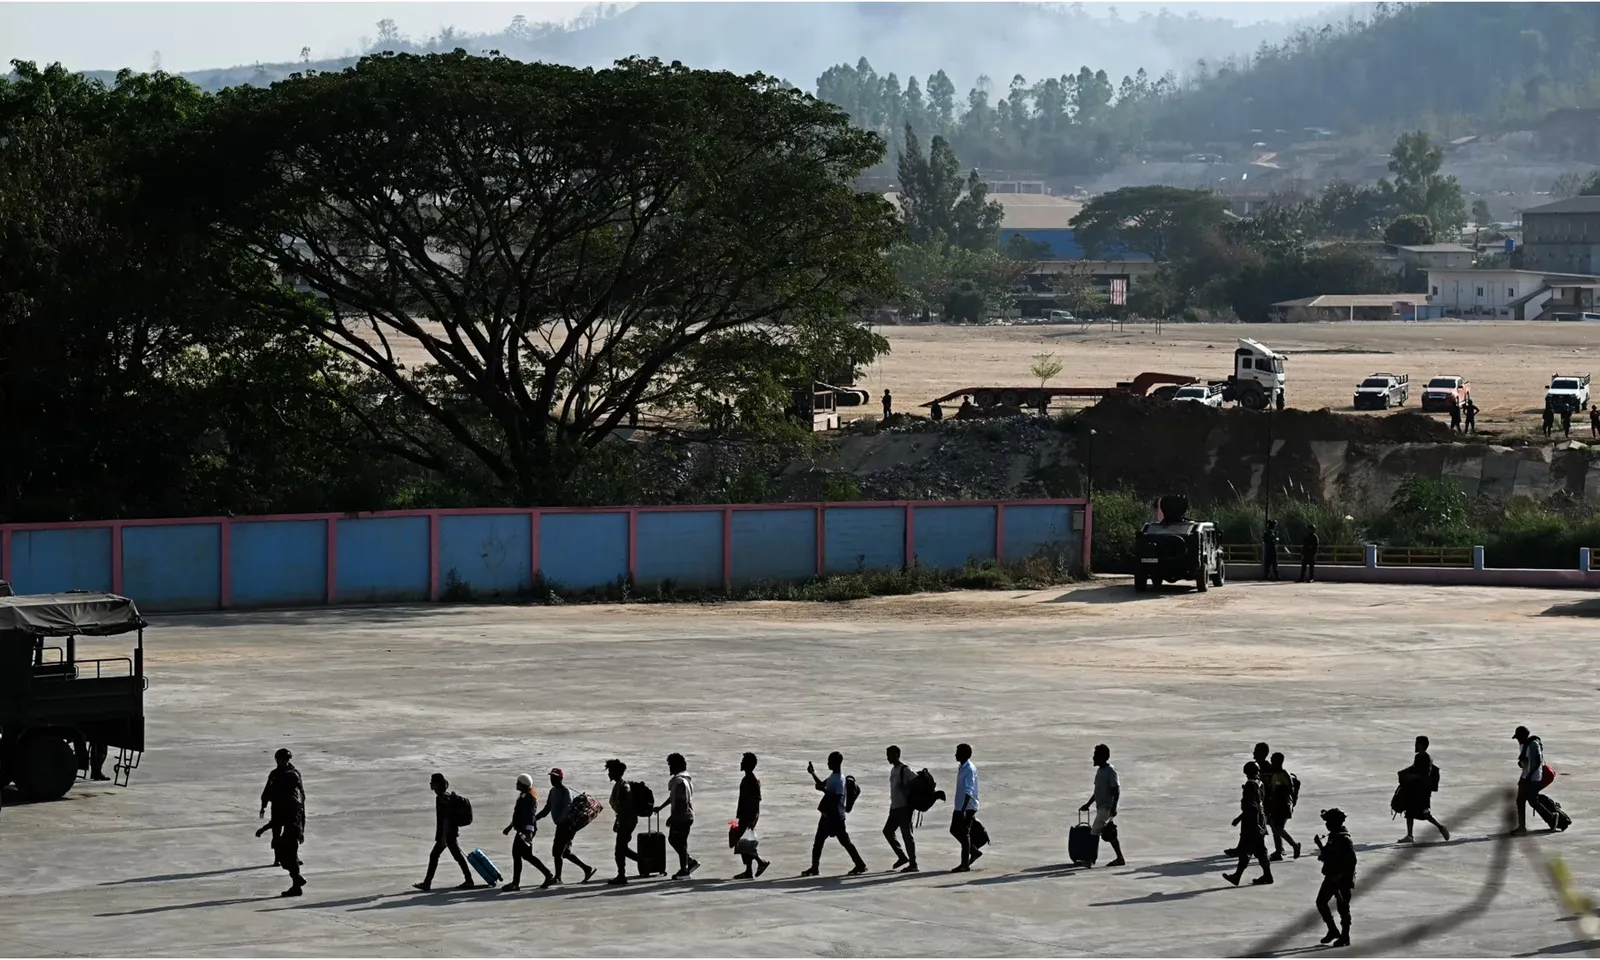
(1338, 676)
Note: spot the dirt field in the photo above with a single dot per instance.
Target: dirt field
(1509, 364)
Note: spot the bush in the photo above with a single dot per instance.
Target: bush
(1118, 517)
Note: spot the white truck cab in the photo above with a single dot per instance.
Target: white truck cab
(1258, 378)
(1568, 391)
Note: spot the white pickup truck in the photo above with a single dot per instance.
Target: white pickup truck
(1209, 395)
(1568, 391)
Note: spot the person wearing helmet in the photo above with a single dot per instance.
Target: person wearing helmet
(526, 824)
(1252, 824)
(287, 794)
(1338, 858)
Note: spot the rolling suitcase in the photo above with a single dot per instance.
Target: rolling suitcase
(486, 869)
(1550, 811)
(1083, 847)
(652, 851)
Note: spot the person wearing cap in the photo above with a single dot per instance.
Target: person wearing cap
(287, 794)
(1531, 778)
(1252, 824)
(557, 804)
(1338, 858)
(446, 834)
(526, 824)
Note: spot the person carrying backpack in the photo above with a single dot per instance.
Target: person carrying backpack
(526, 823)
(1283, 790)
(558, 807)
(1338, 858)
(901, 812)
(1418, 783)
(450, 814)
(835, 804)
(621, 803)
(1252, 824)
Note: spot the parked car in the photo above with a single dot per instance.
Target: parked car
(1380, 391)
(1209, 395)
(1442, 393)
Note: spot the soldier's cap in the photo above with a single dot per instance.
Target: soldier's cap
(285, 753)
(1334, 815)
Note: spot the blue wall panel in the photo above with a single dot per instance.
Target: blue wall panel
(583, 550)
(1030, 530)
(945, 538)
(382, 558)
(52, 561)
(489, 553)
(684, 547)
(864, 538)
(774, 545)
(278, 563)
(173, 568)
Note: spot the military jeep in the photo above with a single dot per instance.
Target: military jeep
(1177, 548)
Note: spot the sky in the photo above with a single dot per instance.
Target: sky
(199, 35)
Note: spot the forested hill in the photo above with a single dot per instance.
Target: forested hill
(1449, 69)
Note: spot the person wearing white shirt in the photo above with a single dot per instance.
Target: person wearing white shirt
(964, 825)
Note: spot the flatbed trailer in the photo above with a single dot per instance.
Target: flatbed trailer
(985, 397)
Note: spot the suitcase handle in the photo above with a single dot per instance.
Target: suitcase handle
(1083, 818)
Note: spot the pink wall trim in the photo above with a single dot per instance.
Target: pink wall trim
(1000, 531)
(727, 548)
(5, 554)
(116, 558)
(633, 544)
(533, 545)
(224, 564)
(819, 526)
(911, 535)
(433, 557)
(1088, 534)
(333, 560)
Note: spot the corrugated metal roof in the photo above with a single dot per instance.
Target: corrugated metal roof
(1569, 205)
(1358, 300)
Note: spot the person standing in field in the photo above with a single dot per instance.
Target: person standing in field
(680, 797)
(1252, 824)
(557, 806)
(1283, 791)
(1594, 420)
(1470, 410)
(526, 823)
(747, 815)
(286, 792)
(1338, 858)
(1308, 555)
(888, 404)
(446, 834)
(621, 803)
(964, 821)
(1269, 551)
(1455, 416)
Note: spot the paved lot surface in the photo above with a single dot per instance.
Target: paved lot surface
(1340, 677)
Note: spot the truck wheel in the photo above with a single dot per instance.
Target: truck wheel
(985, 398)
(47, 767)
(1387, 402)
(1201, 581)
(1221, 576)
(1253, 400)
(1138, 582)
(1009, 398)
(1282, 399)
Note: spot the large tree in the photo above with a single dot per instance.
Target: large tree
(1161, 222)
(937, 203)
(528, 253)
(1419, 187)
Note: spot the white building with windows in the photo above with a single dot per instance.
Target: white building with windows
(1509, 294)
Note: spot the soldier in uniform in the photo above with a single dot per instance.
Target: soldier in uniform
(287, 794)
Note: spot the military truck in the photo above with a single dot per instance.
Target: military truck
(56, 707)
(1177, 548)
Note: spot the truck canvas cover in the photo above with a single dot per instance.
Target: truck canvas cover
(69, 615)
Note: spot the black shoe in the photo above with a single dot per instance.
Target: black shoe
(747, 875)
(911, 868)
(549, 882)
(1330, 936)
(902, 861)
(291, 892)
(466, 884)
(976, 856)
(1262, 880)
(1231, 852)
(1232, 878)
(809, 872)
(511, 887)
(960, 868)
(1276, 856)
(97, 775)
(761, 866)
(620, 880)
(691, 868)
(857, 870)
(424, 886)
(588, 872)
(1343, 941)
(1119, 862)
(1297, 851)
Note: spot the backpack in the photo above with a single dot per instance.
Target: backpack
(923, 791)
(460, 810)
(1433, 780)
(852, 790)
(584, 810)
(1294, 791)
(641, 799)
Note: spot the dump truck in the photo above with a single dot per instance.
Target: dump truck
(1380, 391)
(1442, 393)
(57, 708)
(1568, 391)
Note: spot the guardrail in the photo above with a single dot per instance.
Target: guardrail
(1424, 556)
(1329, 554)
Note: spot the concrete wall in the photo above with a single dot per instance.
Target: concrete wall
(219, 563)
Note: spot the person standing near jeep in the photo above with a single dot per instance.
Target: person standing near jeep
(900, 812)
(1308, 556)
(446, 833)
(1269, 551)
(833, 807)
(627, 821)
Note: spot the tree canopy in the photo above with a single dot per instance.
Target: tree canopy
(938, 204)
(1162, 222)
(560, 246)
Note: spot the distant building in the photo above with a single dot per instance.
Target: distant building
(1333, 307)
(1435, 256)
(1564, 235)
(1511, 294)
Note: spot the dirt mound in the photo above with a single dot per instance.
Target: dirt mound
(1162, 421)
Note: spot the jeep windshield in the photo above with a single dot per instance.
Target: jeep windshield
(1564, 384)
(1443, 383)
(1375, 382)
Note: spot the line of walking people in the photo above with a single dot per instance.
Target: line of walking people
(1268, 798)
